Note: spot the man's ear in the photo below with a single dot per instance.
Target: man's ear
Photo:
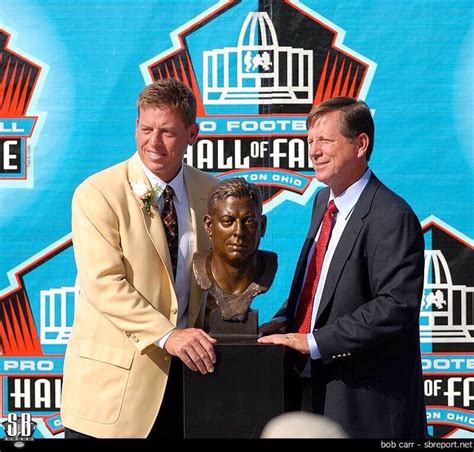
(208, 225)
(136, 127)
(362, 145)
(193, 131)
(264, 225)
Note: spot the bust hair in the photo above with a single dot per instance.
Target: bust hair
(236, 187)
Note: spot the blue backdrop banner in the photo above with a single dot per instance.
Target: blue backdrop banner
(70, 73)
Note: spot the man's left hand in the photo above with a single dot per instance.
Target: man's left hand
(296, 341)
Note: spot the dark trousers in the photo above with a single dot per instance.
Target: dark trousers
(169, 422)
(299, 393)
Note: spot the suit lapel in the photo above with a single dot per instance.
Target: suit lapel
(347, 241)
(198, 207)
(153, 223)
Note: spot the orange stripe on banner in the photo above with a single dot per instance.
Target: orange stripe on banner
(3, 85)
(4, 343)
(36, 349)
(352, 90)
(195, 88)
(167, 71)
(9, 334)
(29, 345)
(184, 76)
(16, 329)
(328, 91)
(160, 75)
(337, 87)
(22, 103)
(319, 92)
(175, 72)
(8, 95)
(346, 81)
(16, 94)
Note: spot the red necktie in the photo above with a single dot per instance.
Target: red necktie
(305, 305)
(170, 224)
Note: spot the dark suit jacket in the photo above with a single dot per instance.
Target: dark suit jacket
(369, 378)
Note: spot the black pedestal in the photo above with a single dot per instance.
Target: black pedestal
(245, 391)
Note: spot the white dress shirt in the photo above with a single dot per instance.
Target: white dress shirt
(185, 243)
(345, 204)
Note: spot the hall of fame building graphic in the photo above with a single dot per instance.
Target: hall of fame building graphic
(21, 80)
(447, 330)
(256, 73)
(257, 77)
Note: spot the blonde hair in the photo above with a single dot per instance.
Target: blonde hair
(171, 93)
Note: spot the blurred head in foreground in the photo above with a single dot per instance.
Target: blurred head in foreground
(300, 424)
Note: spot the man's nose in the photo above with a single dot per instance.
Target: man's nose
(315, 149)
(156, 138)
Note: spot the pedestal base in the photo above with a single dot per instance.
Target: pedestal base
(245, 391)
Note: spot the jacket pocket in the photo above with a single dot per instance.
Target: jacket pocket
(102, 374)
(117, 356)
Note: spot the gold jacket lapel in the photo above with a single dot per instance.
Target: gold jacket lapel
(152, 221)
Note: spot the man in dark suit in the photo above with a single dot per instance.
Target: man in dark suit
(354, 303)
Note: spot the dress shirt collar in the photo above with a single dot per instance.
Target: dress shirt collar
(177, 184)
(346, 201)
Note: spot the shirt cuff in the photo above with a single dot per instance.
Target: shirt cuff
(162, 341)
(313, 346)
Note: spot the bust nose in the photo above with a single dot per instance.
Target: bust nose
(238, 229)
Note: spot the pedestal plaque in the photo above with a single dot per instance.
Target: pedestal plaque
(245, 391)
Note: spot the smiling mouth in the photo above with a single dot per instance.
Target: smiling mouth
(153, 153)
(319, 164)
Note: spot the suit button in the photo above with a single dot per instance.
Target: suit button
(167, 358)
(333, 356)
(174, 311)
(127, 333)
(135, 339)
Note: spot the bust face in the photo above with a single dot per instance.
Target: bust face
(235, 228)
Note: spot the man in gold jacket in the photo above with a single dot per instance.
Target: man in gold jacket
(137, 305)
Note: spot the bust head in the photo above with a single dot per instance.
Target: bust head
(235, 270)
(235, 223)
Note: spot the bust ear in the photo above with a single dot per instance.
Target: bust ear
(208, 225)
(263, 226)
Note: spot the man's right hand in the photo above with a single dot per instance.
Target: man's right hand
(194, 347)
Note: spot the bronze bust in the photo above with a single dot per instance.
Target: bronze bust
(235, 270)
